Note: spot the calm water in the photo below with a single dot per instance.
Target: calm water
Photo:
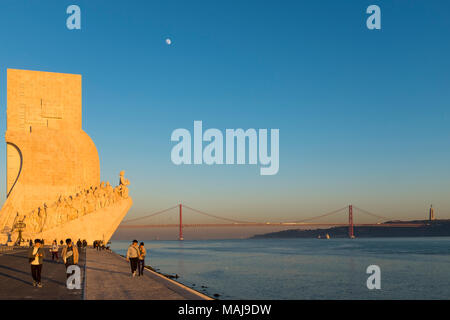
(411, 268)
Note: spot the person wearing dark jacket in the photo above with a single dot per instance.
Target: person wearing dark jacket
(36, 258)
(141, 261)
(69, 255)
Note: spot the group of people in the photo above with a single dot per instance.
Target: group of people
(30, 242)
(81, 245)
(100, 245)
(136, 256)
(69, 255)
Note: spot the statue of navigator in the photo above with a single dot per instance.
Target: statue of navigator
(123, 183)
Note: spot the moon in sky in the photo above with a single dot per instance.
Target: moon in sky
(168, 41)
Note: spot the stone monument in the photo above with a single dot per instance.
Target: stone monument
(52, 169)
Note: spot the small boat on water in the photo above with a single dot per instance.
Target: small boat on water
(327, 236)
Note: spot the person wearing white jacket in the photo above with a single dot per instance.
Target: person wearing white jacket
(133, 256)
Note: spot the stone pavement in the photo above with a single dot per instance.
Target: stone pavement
(108, 276)
(16, 282)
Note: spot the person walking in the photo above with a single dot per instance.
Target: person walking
(36, 258)
(133, 256)
(54, 250)
(69, 255)
(141, 261)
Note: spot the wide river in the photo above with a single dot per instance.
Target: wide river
(411, 268)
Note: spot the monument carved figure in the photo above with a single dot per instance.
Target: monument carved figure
(84, 202)
(123, 185)
(53, 168)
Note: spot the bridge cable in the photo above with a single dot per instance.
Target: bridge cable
(150, 215)
(214, 216)
(371, 214)
(322, 216)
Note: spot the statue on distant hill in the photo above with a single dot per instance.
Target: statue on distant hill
(432, 217)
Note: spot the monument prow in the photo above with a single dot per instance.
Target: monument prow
(53, 167)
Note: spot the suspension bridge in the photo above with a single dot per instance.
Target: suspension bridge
(229, 222)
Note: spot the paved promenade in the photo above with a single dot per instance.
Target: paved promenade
(108, 276)
(16, 282)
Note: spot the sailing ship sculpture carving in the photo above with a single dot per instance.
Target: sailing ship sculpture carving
(53, 168)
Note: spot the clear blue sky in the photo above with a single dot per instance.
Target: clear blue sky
(363, 115)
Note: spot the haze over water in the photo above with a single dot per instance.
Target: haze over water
(411, 268)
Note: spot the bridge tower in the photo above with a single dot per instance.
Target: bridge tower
(181, 223)
(350, 222)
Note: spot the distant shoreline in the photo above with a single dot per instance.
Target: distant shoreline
(435, 228)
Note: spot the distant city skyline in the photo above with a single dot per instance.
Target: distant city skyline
(363, 114)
